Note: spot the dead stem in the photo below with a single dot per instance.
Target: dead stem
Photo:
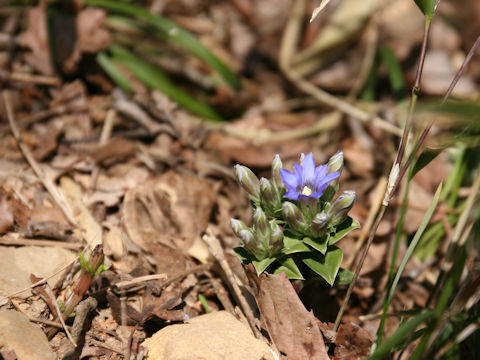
(217, 251)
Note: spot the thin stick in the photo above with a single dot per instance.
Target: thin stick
(217, 251)
(54, 191)
(39, 242)
(359, 267)
(40, 282)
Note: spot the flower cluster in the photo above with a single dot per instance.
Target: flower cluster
(296, 221)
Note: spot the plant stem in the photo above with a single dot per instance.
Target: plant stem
(378, 219)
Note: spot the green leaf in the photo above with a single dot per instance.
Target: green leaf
(324, 265)
(288, 266)
(261, 265)
(83, 261)
(414, 242)
(403, 333)
(343, 229)
(395, 73)
(156, 79)
(109, 67)
(291, 245)
(244, 255)
(423, 160)
(344, 277)
(318, 244)
(174, 34)
(203, 301)
(427, 7)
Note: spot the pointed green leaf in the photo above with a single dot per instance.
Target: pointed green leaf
(318, 244)
(344, 277)
(244, 255)
(343, 229)
(293, 246)
(425, 158)
(154, 78)
(324, 265)
(109, 67)
(427, 7)
(261, 265)
(175, 34)
(83, 261)
(288, 266)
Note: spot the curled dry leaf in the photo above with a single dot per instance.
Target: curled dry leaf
(165, 216)
(291, 327)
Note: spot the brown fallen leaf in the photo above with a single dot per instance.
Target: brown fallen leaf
(291, 327)
(352, 342)
(358, 157)
(165, 215)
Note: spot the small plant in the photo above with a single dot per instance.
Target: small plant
(88, 268)
(295, 221)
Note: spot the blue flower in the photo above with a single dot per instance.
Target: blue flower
(306, 180)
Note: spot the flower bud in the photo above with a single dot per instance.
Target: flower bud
(293, 216)
(276, 234)
(302, 156)
(340, 208)
(335, 163)
(248, 240)
(237, 226)
(268, 193)
(320, 223)
(261, 223)
(248, 180)
(276, 166)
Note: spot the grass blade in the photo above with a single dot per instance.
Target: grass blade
(156, 79)
(175, 35)
(402, 333)
(109, 67)
(416, 238)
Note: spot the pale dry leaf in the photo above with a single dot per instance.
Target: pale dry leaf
(74, 195)
(319, 8)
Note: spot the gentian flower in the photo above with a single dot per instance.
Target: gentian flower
(306, 180)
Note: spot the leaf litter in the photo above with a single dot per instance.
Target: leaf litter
(148, 192)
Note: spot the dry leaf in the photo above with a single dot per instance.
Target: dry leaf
(36, 39)
(291, 327)
(352, 342)
(165, 216)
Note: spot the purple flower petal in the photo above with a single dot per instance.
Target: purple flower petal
(292, 195)
(306, 180)
(330, 177)
(308, 169)
(320, 173)
(289, 179)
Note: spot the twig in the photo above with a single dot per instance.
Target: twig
(82, 311)
(38, 242)
(217, 251)
(359, 267)
(54, 191)
(40, 282)
(104, 136)
(27, 78)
